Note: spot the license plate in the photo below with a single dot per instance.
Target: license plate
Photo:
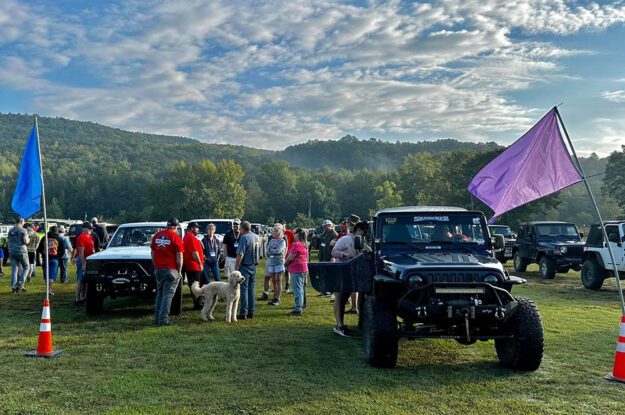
(478, 290)
(508, 252)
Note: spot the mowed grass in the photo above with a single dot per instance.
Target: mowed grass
(118, 363)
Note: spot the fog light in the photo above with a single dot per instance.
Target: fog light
(491, 279)
(415, 280)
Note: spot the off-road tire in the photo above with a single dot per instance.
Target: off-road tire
(176, 302)
(520, 263)
(94, 301)
(547, 268)
(523, 352)
(592, 274)
(381, 340)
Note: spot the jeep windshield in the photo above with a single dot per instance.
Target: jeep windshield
(431, 229)
(562, 231)
(501, 230)
(134, 236)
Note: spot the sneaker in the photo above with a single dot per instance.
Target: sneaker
(13, 289)
(21, 288)
(287, 290)
(250, 316)
(275, 301)
(295, 314)
(352, 311)
(263, 297)
(341, 331)
(241, 317)
(51, 293)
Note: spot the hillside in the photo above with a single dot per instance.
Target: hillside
(373, 154)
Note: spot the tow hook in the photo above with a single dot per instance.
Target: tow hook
(143, 287)
(466, 325)
(98, 287)
(422, 312)
(500, 313)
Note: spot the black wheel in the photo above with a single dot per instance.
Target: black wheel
(94, 300)
(361, 308)
(176, 302)
(380, 333)
(547, 268)
(592, 274)
(524, 351)
(520, 263)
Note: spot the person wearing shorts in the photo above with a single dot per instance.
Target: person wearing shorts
(56, 250)
(276, 250)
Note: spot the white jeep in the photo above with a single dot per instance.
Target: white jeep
(597, 264)
(125, 267)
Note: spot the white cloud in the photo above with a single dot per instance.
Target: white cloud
(614, 96)
(272, 73)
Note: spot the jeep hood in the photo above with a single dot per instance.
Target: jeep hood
(400, 262)
(557, 244)
(123, 252)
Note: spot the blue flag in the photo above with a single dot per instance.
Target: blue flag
(27, 197)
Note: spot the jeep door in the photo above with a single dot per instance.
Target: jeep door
(522, 241)
(616, 243)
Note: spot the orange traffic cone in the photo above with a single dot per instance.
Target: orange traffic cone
(618, 373)
(44, 346)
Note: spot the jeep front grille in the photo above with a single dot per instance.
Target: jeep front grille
(575, 251)
(451, 276)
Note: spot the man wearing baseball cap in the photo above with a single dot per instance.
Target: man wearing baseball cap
(167, 249)
(193, 258)
(229, 246)
(84, 247)
(328, 235)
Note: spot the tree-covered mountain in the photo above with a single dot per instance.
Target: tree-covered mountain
(352, 153)
(93, 170)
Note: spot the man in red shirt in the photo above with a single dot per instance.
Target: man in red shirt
(167, 248)
(84, 248)
(193, 258)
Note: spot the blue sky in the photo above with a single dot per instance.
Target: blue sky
(270, 74)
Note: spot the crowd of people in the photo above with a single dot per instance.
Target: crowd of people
(27, 249)
(193, 259)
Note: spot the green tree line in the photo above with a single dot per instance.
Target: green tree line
(121, 176)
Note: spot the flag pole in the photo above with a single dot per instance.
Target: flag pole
(594, 202)
(45, 216)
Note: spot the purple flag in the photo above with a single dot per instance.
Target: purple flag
(536, 165)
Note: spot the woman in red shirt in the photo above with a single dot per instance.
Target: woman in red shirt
(297, 264)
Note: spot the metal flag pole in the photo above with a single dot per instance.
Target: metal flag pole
(601, 224)
(46, 273)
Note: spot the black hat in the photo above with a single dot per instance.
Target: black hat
(87, 225)
(193, 225)
(173, 222)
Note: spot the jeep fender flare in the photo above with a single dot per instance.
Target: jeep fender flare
(593, 254)
(539, 255)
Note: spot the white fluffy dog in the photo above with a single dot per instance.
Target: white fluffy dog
(229, 291)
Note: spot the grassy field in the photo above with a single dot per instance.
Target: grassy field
(119, 363)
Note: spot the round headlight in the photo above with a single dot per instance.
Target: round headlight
(491, 279)
(415, 280)
(563, 249)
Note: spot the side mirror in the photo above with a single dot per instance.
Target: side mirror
(581, 235)
(498, 242)
(359, 242)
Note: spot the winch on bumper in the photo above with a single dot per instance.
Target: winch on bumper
(122, 278)
(456, 301)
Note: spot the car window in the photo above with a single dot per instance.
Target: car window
(438, 228)
(135, 236)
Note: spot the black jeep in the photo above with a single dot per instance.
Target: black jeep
(432, 274)
(554, 246)
(503, 255)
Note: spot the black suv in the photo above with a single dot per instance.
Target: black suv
(431, 273)
(554, 246)
(503, 255)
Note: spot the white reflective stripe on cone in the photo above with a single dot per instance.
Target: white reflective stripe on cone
(620, 347)
(45, 314)
(48, 327)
